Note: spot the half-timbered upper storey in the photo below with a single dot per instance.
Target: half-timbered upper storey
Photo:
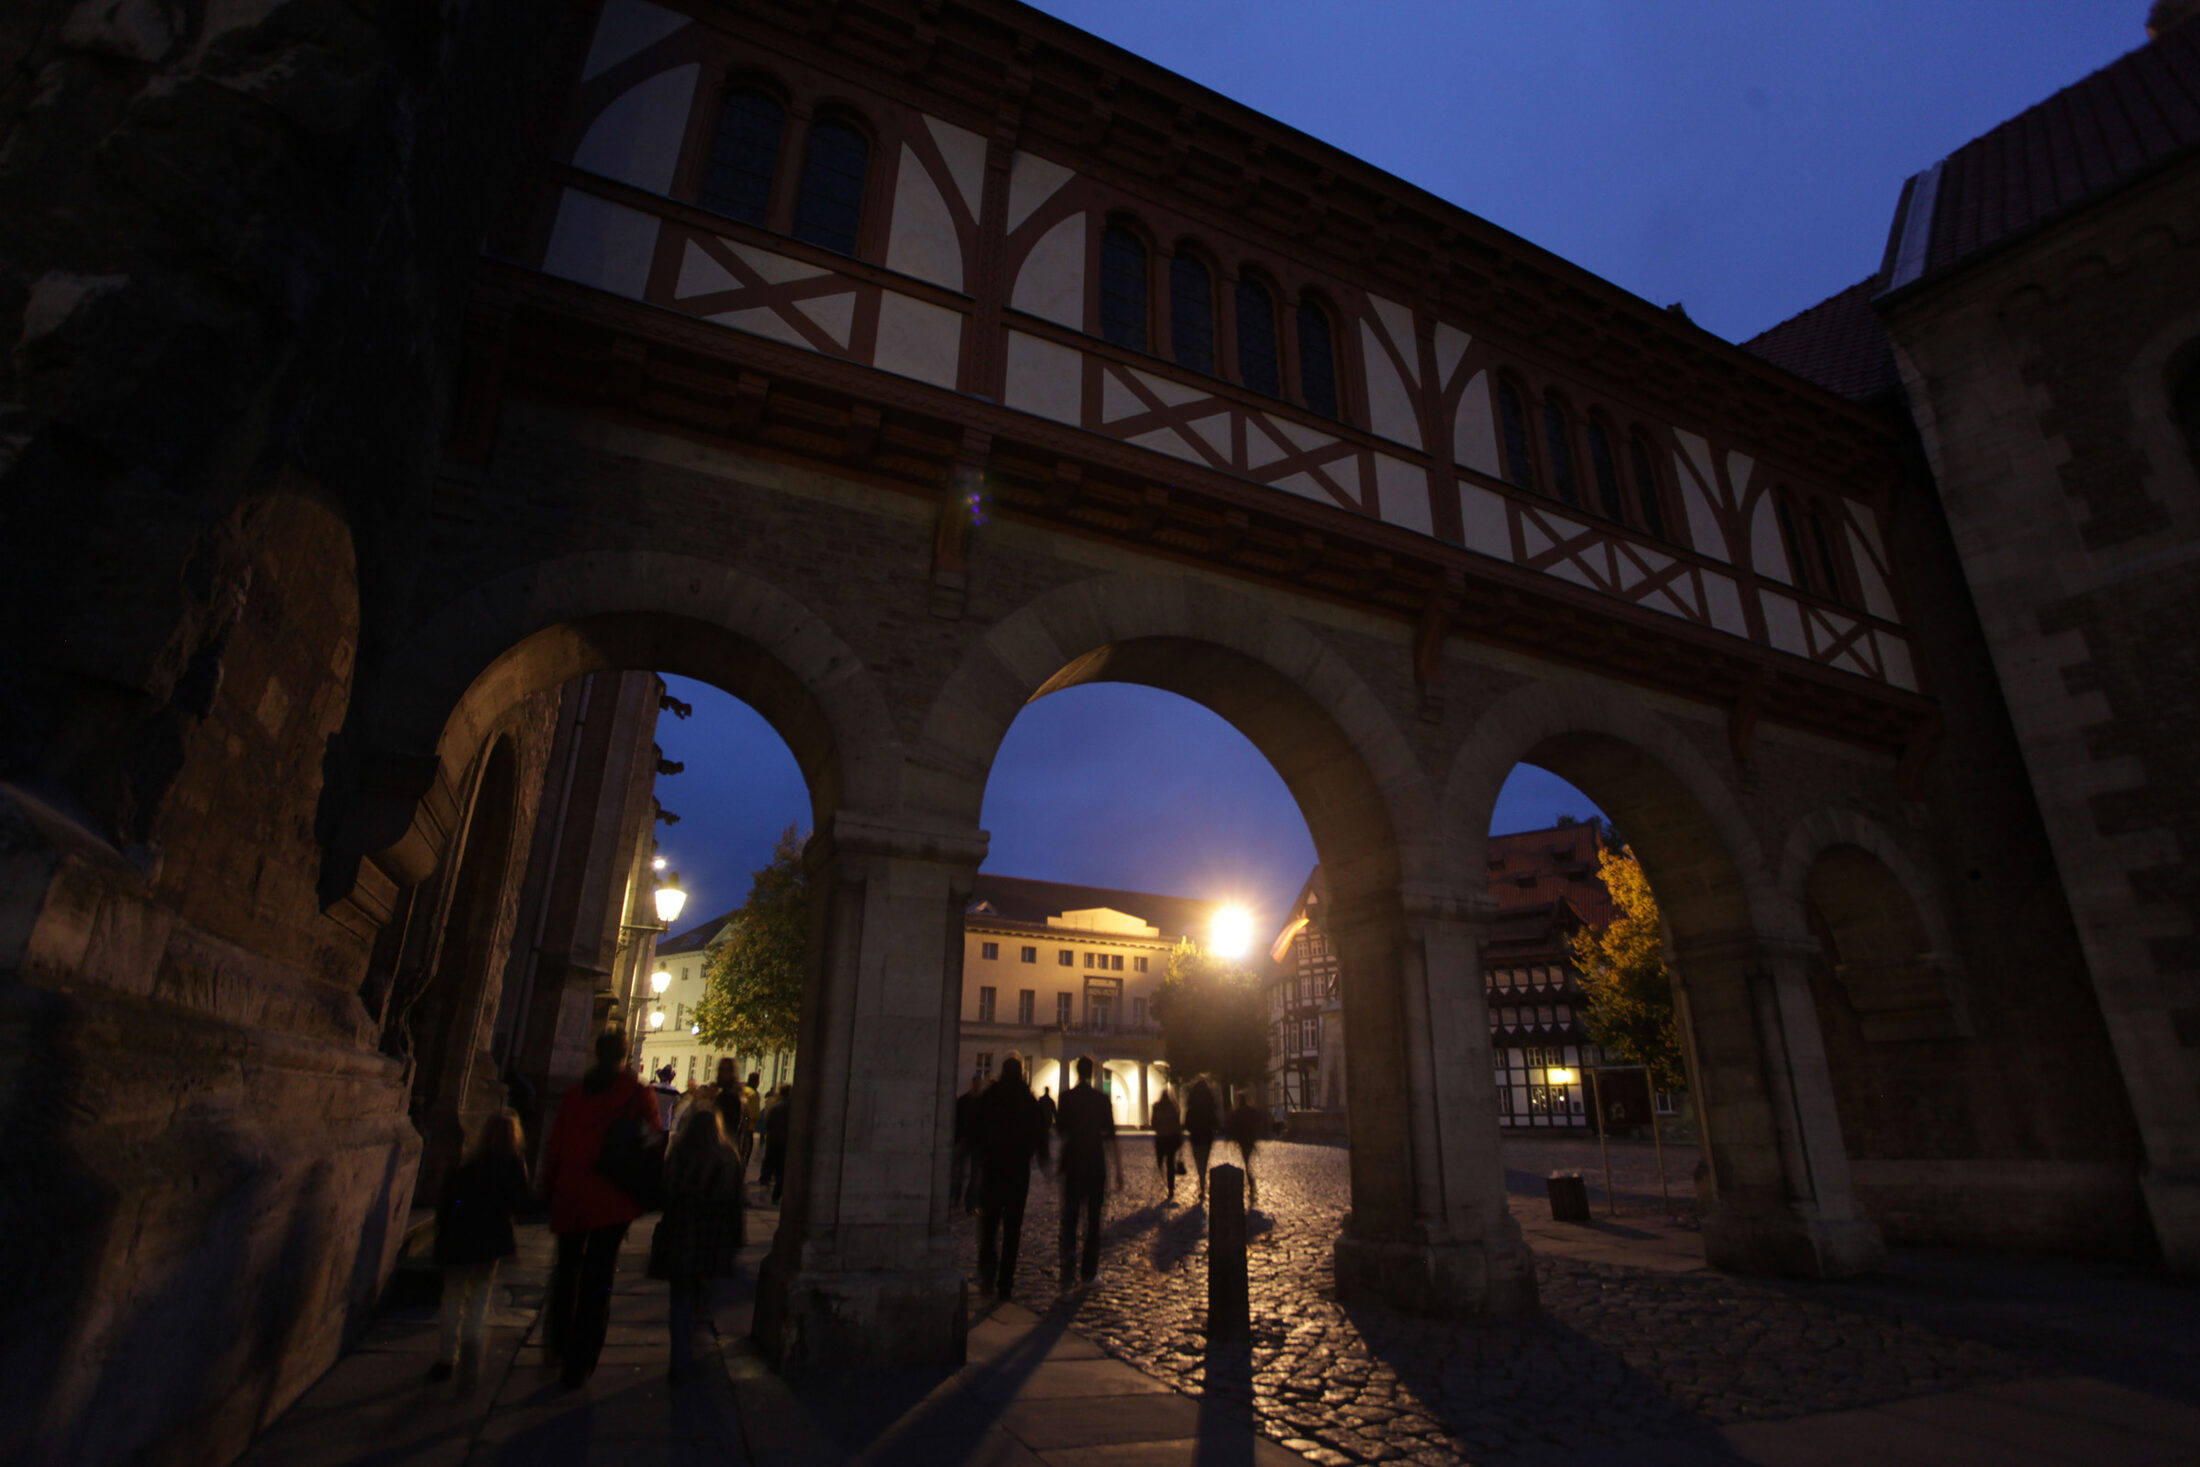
(1159, 313)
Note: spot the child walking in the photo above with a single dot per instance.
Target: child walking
(698, 1240)
(473, 1233)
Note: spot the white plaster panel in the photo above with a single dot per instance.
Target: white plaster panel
(1170, 442)
(1483, 511)
(1117, 401)
(834, 314)
(1723, 599)
(1262, 446)
(1894, 655)
(922, 240)
(964, 152)
(1783, 623)
(1046, 378)
(1766, 552)
(918, 339)
(1699, 458)
(1451, 347)
(1878, 600)
(1703, 520)
(1739, 466)
(1175, 394)
(1533, 540)
(636, 139)
(1306, 486)
(1673, 599)
(1389, 404)
(1032, 180)
(764, 321)
(598, 243)
(702, 275)
(1402, 491)
(1308, 439)
(1052, 282)
(1570, 570)
(1214, 431)
(626, 28)
(777, 269)
(1474, 427)
(1398, 321)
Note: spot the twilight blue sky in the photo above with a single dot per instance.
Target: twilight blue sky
(1743, 158)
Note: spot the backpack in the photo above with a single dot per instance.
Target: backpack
(629, 1163)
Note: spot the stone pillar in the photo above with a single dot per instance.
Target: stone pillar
(1781, 1198)
(1430, 1230)
(862, 1271)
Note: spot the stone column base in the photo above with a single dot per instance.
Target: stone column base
(812, 1321)
(1440, 1280)
(2173, 1198)
(1792, 1246)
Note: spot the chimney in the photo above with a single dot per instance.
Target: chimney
(2168, 15)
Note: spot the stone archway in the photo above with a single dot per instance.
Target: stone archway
(1429, 1229)
(1780, 1199)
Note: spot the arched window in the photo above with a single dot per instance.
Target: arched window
(1512, 422)
(830, 205)
(1123, 287)
(1606, 470)
(2184, 398)
(1558, 438)
(1191, 313)
(1259, 364)
(1317, 359)
(1647, 492)
(744, 155)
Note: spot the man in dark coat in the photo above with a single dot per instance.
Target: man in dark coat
(1202, 1118)
(778, 1116)
(1168, 1139)
(1087, 1124)
(1007, 1132)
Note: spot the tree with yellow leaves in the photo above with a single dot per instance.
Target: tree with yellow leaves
(1627, 996)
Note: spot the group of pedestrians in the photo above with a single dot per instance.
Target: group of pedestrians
(1200, 1121)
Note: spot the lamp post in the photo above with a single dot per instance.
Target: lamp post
(667, 898)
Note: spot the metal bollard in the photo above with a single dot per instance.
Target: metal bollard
(1229, 1287)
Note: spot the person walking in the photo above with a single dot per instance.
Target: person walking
(1048, 1109)
(668, 1098)
(1202, 1118)
(962, 1182)
(1168, 1140)
(588, 1213)
(1087, 1124)
(1007, 1132)
(778, 1116)
(699, 1238)
(752, 1111)
(1245, 1128)
(473, 1234)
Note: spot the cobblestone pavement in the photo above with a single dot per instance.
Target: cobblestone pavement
(1619, 1354)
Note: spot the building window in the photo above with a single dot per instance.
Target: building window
(990, 951)
(1317, 359)
(985, 1005)
(1115, 963)
(1191, 313)
(1092, 959)
(1558, 442)
(1063, 957)
(1648, 496)
(984, 1069)
(1258, 366)
(830, 204)
(1031, 955)
(1123, 287)
(1512, 422)
(744, 154)
(1061, 1009)
(1138, 965)
(1026, 1006)
(1606, 471)
(1138, 1011)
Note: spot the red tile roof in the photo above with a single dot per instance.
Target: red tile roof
(1838, 344)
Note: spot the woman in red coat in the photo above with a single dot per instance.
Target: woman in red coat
(588, 1213)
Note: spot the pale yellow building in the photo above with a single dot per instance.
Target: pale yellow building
(667, 1025)
(1053, 971)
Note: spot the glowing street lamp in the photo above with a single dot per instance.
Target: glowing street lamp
(659, 981)
(1232, 933)
(656, 1018)
(1560, 1075)
(670, 899)
(657, 863)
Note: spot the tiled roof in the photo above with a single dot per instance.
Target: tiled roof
(1020, 901)
(2126, 119)
(696, 938)
(1838, 344)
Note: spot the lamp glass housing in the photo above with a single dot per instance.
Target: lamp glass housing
(670, 899)
(659, 981)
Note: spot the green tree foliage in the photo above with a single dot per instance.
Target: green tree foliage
(1627, 995)
(752, 994)
(1212, 1018)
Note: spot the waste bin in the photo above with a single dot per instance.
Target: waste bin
(1569, 1197)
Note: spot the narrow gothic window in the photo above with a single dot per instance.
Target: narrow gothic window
(1646, 487)
(1192, 314)
(1513, 422)
(1317, 360)
(830, 205)
(1558, 439)
(1606, 471)
(1123, 287)
(1256, 334)
(744, 154)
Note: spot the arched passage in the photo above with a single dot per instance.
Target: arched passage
(1777, 1197)
(1429, 1229)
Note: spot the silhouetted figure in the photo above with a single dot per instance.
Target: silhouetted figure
(732, 1105)
(1008, 1130)
(778, 1116)
(752, 1111)
(668, 1097)
(1087, 1124)
(1168, 1139)
(473, 1234)
(698, 1240)
(962, 1182)
(1202, 1118)
(1246, 1123)
(1046, 1104)
(588, 1213)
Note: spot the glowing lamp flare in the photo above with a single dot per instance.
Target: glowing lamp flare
(657, 1019)
(1232, 934)
(670, 899)
(1560, 1075)
(659, 981)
